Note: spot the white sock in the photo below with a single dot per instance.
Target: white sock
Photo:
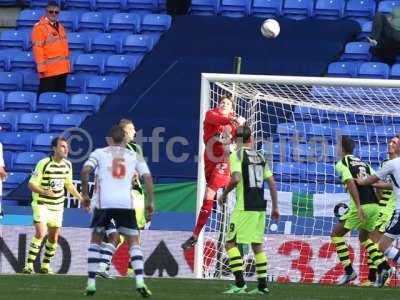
(93, 262)
(393, 253)
(137, 263)
(107, 250)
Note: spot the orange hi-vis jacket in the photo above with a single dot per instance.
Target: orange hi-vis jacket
(50, 49)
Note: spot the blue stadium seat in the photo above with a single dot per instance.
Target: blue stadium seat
(51, 101)
(382, 133)
(107, 42)
(395, 72)
(110, 5)
(278, 151)
(289, 171)
(297, 9)
(325, 130)
(360, 9)
(204, 7)
(292, 128)
(93, 63)
(15, 38)
(30, 81)
(76, 83)
(102, 85)
(8, 121)
(27, 18)
(366, 29)
(33, 122)
(80, 4)
(79, 41)
(137, 43)
(122, 63)
(329, 9)
(359, 133)
(357, 51)
(16, 141)
(93, 21)
(22, 60)
(322, 172)
(266, 8)
(84, 103)
(26, 161)
(42, 3)
(42, 142)
(2, 99)
(69, 19)
(4, 61)
(6, 3)
(13, 180)
(343, 69)
(10, 81)
(20, 100)
(386, 7)
(234, 8)
(124, 22)
(373, 70)
(9, 159)
(61, 122)
(141, 5)
(373, 154)
(155, 23)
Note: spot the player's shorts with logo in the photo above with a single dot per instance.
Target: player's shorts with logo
(384, 219)
(123, 219)
(393, 229)
(44, 214)
(217, 174)
(247, 226)
(352, 221)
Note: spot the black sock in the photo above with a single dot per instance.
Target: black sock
(239, 280)
(349, 269)
(372, 275)
(262, 283)
(383, 266)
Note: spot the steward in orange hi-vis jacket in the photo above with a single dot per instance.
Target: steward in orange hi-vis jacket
(50, 49)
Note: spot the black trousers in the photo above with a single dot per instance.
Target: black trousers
(177, 7)
(56, 83)
(388, 39)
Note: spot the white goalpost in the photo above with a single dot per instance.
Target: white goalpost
(296, 123)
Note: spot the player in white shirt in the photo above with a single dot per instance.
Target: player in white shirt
(390, 168)
(115, 167)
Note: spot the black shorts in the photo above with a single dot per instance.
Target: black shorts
(393, 229)
(123, 219)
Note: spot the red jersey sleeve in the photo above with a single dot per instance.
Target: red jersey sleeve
(214, 117)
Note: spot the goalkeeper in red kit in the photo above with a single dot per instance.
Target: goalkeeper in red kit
(219, 126)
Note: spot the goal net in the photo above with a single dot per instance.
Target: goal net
(296, 122)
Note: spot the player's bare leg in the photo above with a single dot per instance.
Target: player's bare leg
(204, 214)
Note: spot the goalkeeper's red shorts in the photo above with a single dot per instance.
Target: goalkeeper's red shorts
(217, 174)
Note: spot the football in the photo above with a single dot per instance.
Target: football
(270, 28)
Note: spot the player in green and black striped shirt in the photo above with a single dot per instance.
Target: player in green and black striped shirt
(48, 182)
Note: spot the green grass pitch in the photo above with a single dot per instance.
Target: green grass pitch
(59, 287)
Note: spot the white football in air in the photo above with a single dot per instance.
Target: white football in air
(270, 28)
(241, 120)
